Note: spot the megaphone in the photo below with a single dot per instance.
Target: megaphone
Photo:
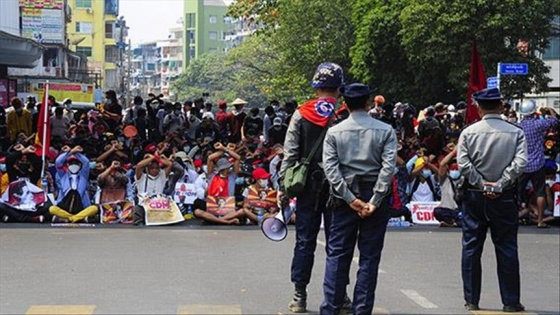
(275, 228)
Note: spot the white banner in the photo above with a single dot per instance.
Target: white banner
(557, 204)
(184, 193)
(423, 212)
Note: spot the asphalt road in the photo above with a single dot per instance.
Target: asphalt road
(193, 269)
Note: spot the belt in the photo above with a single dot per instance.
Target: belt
(479, 189)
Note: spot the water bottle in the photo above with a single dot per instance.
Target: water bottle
(45, 185)
(260, 215)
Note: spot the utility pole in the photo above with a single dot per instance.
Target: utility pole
(128, 73)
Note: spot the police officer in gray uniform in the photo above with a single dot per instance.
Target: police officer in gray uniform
(359, 156)
(492, 154)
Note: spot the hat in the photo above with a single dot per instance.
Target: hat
(487, 95)
(182, 155)
(222, 103)
(208, 115)
(150, 148)
(197, 163)
(277, 121)
(238, 101)
(73, 160)
(355, 90)
(461, 105)
(379, 99)
(222, 164)
(328, 75)
(130, 131)
(451, 108)
(260, 173)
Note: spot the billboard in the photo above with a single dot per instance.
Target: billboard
(43, 25)
(77, 92)
(42, 4)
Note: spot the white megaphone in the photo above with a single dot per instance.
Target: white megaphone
(275, 228)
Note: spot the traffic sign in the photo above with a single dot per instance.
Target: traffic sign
(514, 68)
(492, 82)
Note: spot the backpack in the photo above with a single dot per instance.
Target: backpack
(432, 184)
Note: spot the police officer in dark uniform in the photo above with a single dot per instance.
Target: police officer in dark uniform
(359, 156)
(492, 154)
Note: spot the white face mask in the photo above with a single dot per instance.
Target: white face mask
(549, 183)
(263, 183)
(74, 168)
(512, 120)
(454, 174)
(426, 173)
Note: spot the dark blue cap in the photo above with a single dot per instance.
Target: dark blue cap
(487, 95)
(356, 90)
(328, 75)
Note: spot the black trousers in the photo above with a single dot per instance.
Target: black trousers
(500, 216)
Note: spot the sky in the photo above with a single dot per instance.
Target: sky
(150, 20)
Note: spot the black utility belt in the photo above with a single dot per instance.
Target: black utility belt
(504, 190)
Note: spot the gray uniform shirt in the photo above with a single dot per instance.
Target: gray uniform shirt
(492, 150)
(363, 147)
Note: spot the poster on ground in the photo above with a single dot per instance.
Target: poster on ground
(262, 198)
(162, 211)
(423, 212)
(23, 195)
(557, 204)
(220, 206)
(184, 193)
(117, 212)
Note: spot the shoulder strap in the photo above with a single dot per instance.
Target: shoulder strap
(317, 143)
(452, 185)
(415, 185)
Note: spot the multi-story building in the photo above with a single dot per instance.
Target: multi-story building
(242, 28)
(145, 69)
(96, 32)
(171, 58)
(206, 26)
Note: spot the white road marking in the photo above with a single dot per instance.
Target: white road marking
(418, 299)
(355, 259)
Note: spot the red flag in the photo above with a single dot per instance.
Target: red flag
(477, 82)
(318, 111)
(43, 135)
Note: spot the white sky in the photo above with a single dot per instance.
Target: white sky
(150, 20)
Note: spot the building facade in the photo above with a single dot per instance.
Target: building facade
(205, 28)
(96, 32)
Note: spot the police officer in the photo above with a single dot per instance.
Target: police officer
(306, 127)
(359, 156)
(492, 154)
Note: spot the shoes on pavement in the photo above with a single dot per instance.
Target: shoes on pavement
(346, 306)
(56, 219)
(299, 302)
(514, 308)
(5, 219)
(38, 219)
(471, 307)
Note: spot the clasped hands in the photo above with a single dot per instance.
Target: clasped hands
(364, 209)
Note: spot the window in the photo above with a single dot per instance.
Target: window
(192, 53)
(553, 49)
(213, 35)
(190, 37)
(111, 53)
(109, 29)
(83, 3)
(213, 19)
(151, 67)
(84, 50)
(83, 27)
(190, 20)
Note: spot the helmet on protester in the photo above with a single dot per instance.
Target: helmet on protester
(328, 75)
(528, 107)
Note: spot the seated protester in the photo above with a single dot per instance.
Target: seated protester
(114, 151)
(151, 175)
(551, 186)
(261, 184)
(423, 183)
(399, 199)
(274, 166)
(448, 213)
(189, 174)
(24, 163)
(221, 184)
(73, 203)
(114, 185)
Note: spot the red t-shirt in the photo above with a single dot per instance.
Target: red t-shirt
(218, 187)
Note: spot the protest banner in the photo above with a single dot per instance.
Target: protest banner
(423, 212)
(184, 193)
(262, 199)
(161, 211)
(117, 212)
(557, 204)
(220, 206)
(23, 195)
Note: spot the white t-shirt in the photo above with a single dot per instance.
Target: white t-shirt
(422, 193)
(147, 186)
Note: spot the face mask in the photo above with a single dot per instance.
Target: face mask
(109, 101)
(395, 171)
(263, 183)
(177, 112)
(73, 168)
(239, 181)
(426, 173)
(512, 120)
(222, 175)
(3, 168)
(136, 151)
(454, 174)
(19, 110)
(187, 149)
(549, 183)
(92, 165)
(205, 168)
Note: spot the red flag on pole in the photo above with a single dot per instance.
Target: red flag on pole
(477, 82)
(43, 135)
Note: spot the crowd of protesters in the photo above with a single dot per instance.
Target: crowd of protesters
(112, 153)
